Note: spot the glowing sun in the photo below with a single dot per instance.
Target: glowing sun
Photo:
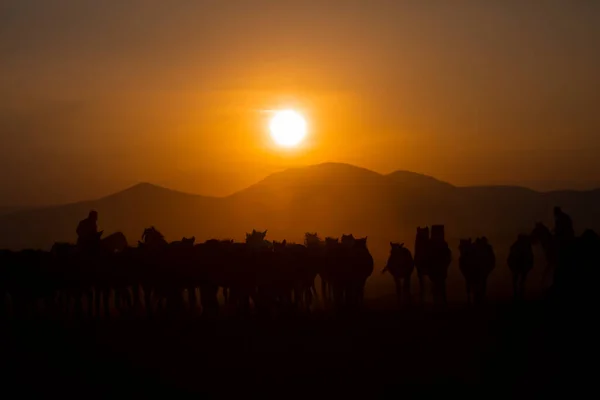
(288, 128)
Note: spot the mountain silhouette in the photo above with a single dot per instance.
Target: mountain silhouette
(414, 180)
(9, 209)
(329, 198)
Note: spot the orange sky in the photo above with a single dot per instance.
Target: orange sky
(96, 96)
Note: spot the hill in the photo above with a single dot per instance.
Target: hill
(126, 211)
(413, 180)
(9, 209)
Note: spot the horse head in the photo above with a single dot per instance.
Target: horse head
(152, 235)
(257, 240)
(311, 239)
(332, 240)
(255, 236)
(147, 232)
(348, 240)
(360, 243)
(188, 241)
(465, 245)
(331, 243)
(423, 233)
(279, 246)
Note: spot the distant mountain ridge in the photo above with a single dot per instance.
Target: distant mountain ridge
(329, 198)
(8, 209)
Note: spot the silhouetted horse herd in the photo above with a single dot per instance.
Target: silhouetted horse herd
(262, 277)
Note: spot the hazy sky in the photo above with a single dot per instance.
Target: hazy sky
(98, 95)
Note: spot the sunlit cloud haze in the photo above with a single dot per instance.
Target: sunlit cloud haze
(98, 95)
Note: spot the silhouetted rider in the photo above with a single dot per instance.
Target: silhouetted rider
(87, 230)
(563, 225)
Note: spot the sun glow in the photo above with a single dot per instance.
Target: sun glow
(288, 128)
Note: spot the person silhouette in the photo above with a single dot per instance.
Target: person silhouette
(87, 230)
(562, 282)
(563, 225)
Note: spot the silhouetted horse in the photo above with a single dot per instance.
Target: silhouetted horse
(520, 262)
(422, 258)
(476, 262)
(541, 234)
(432, 258)
(361, 268)
(400, 265)
(152, 239)
(332, 252)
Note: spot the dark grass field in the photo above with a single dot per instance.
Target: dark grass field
(505, 347)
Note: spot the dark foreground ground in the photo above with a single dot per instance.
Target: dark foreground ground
(516, 350)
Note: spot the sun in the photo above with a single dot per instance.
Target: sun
(288, 128)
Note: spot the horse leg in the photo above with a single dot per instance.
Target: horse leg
(89, 295)
(148, 300)
(422, 288)
(437, 294)
(363, 286)
(106, 300)
(309, 298)
(61, 302)
(324, 290)
(484, 289)
(193, 299)
(77, 296)
(243, 302)
(407, 289)
(225, 294)
(129, 298)
(97, 303)
(330, 293)
(477, 293)
(468, 288)
(523, 279)
(314, 295)
(136, 300)
(444, 293)
(100, 303)
(175, 301)
(338, 295)
(209, 301)
(398, 283)
(189, 297)
(119, 303)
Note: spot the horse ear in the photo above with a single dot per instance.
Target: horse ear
(265, 232)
